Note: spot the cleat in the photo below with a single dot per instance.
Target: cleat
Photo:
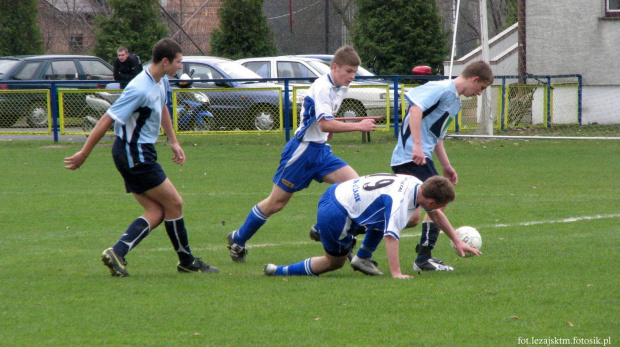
(365, 266)
(197, 266)
(237, 253)
(314, 234)
(115, 263)
(270, 269)
(430, 265)
(437, 260)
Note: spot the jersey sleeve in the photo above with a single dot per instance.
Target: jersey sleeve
(129, 101)
(323, 104)
(425, 96)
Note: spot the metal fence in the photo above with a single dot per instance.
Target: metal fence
(518, 103)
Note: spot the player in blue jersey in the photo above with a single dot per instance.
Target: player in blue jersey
(137, 115)
(307, 156)
(433, 107)
(382, 204)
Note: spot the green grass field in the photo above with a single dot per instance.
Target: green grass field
(548, 212)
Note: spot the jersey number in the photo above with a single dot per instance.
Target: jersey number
(378, 185)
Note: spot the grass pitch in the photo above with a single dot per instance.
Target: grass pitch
(548, 213)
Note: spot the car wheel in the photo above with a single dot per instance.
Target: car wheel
(37, 114)
(351, 109)
(263, 117)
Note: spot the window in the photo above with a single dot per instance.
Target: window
(262, 68)
(61, 70)
(27, 72)
(96, 70)
(293, 69)
(76, 43)
(612, 8)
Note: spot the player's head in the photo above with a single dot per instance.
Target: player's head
(122, 53)
(439, 189)
(344, 66)
(169, 53)
(477, 76)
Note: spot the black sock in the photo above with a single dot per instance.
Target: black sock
(135, 233)
(178, 236)
(430, 233)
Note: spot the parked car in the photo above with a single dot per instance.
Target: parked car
(327, 59)
(359, 102)
(245, 110)
(45, 68)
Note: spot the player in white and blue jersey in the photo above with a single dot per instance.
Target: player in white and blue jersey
(137, 115)
(382, 204)
(433, 106)
(307, 156)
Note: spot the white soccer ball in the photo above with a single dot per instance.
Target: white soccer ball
(470, 236)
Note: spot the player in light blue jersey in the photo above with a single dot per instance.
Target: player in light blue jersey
(137, 115)
(382, 204)
(307, 156)
(433, 107)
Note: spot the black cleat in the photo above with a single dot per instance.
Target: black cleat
(115, 263)
(197, 266)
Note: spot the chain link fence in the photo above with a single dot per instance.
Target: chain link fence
(25, 111)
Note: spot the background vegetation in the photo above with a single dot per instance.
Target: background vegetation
(19, 32)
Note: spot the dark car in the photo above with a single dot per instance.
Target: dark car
(46, 69)
(235, 109)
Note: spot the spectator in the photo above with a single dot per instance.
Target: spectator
(126, 66)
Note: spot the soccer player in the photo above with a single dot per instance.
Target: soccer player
(382, 204)
(433, 106)
(137, 115)
(307, 156)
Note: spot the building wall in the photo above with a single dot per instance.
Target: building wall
(570, 37)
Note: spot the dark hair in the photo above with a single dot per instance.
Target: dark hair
(439, 189)
(480, 69)
(346, 55)
(166, 48)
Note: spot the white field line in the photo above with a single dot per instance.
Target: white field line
(297, 243)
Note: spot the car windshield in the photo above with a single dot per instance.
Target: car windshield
(6, 65)
(320, 66)
(236, 70)
(360, 70)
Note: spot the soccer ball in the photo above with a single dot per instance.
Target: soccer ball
(470, 236)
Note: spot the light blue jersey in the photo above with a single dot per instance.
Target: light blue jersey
(137, 113)
(440, 104)
(382, 202)
(322, 101)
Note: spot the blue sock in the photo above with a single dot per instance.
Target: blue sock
(135, 233)
(370, 243)
(178, 236)
(253, 222)
(430, 233)
(298, 269)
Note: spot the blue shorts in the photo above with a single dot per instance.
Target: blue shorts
(421, 172)
(302, 162)
(334, 225)
(141, 177)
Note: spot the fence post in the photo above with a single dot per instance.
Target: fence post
(54, 107)
(396, 102)
(287, 110)
(548, 101)
(579, 95)
(503, 111)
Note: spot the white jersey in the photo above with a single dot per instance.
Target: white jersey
(322, 101)
(380, 201)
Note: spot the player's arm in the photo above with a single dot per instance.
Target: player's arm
(166, 124)
(415, 125)
(442, 222)
(75, 161)
(442, 156)
(336, 126)
(391, 249)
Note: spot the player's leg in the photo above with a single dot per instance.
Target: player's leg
(169, 198)
(257, 217)
(362, 261)
(340, 175)
(308, 267)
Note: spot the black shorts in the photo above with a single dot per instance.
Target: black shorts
(139, 178)
(421, 172)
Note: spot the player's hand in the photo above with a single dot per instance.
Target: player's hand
(418, 156)
(367, 125)
(402, 276)
(179, 155)
(462, 247)
(450, 173)
(75, 161)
